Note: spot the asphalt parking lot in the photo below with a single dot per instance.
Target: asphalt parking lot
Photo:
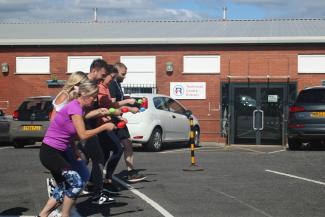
(237, 181)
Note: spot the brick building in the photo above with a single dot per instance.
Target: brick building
(247, 70)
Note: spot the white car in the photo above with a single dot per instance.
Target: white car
(164, 120)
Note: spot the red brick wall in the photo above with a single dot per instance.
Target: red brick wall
(243, 60)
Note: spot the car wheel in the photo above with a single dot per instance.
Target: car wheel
(294, 144)
(18, 144)
(155, 141)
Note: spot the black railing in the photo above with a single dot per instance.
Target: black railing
(139, 88)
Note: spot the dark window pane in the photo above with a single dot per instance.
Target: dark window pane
(141, 88)
(36, 105)
(173, 106)
(160, 103)
(312, 96)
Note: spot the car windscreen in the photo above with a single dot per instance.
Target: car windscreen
(36, 105)
(312, 96)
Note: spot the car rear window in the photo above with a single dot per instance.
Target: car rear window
(36, 105)
(312, 96)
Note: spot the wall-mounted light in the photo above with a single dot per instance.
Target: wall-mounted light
(169, 67)
(4, 67)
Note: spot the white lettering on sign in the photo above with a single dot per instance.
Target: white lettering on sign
(188, 90)
(272, 98)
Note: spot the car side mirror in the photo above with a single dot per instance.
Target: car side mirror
(188, 113)
(1, 113)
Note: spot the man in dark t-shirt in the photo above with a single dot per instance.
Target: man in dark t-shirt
(92, 147)
(117, 95)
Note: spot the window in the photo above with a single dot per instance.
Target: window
(312, 96)
(33, 65)
(141, 74)
(201, 64)
(160, 103)
(80, 63)
(175, 107)
(311, 64)
(140, 88)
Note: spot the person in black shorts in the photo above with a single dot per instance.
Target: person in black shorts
(67, 126)
(123, 134)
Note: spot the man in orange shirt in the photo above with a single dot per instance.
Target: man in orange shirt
(109, 140)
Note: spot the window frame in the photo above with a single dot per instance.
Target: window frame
(167, 99)
(30, 72)
(301, 66)
(164, 103)
(80, 57)
(187, 58)
(138, 72)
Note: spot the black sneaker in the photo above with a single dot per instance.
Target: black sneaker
(133, 176)
(102, 198)
(110, 188)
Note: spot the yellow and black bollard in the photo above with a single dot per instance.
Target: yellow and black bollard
(194, 166)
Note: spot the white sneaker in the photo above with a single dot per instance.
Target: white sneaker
(85, 192)
(50, 184)
(55, 213)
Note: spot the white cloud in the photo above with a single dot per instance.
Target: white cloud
(77, 10)
(82, 10)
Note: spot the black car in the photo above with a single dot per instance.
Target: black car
(307, 118)
(31, 120)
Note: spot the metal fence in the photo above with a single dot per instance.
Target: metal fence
(139, 88)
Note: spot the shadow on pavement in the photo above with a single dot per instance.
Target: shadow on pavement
(166, 146)
(124, 174)
(87, 208)
(312, 147)
(125, 212)
(14, 211)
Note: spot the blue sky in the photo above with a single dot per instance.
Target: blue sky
(81, 10)
(214, 9)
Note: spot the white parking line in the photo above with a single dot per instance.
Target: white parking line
(6, 147)
(36, 145)
(296, 177)
(244, 203)
(272, 152)
(73, 213)
(252, 150)
(188, 149)
(18, 215)
(144, 197)
(28, 146)
(174, 151)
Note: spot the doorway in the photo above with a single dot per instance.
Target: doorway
(258, 112)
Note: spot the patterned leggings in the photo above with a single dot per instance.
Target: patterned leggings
(71, 187)
(69, 182)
